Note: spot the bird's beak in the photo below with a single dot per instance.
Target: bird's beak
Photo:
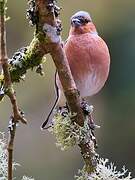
(75, 22)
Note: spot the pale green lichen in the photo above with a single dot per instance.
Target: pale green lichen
(27, 178)
(4, 160)
(104, 171)
(67, 132)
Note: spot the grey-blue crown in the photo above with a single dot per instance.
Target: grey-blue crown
(82, 14)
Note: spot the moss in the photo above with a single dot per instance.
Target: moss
(2, 7)
(1, 77)
(41, 37)
(23, 60)
(32, 58)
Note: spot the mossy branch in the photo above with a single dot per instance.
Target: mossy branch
(49, 24)
(31, 58)
(7, 83)
(24, 59)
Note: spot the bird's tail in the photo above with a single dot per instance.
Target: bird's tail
(43, 127)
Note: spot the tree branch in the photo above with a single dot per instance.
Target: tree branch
(49, 24)
(9, 89)
(30, 57)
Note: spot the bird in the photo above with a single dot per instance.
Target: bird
(88, 57)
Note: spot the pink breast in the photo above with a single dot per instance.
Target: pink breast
(89, 61)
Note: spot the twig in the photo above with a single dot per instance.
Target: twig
(9, 89)
(49, 24)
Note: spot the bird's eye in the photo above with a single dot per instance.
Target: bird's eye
(83, 20)
(86, 20)
(79, 20)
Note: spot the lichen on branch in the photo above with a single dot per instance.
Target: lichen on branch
(26, 58)
(68, 134)
(104, 171)
(49, 24)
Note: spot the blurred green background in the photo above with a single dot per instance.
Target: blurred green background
(114, 105)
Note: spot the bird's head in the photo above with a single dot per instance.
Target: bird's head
(81, 23)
